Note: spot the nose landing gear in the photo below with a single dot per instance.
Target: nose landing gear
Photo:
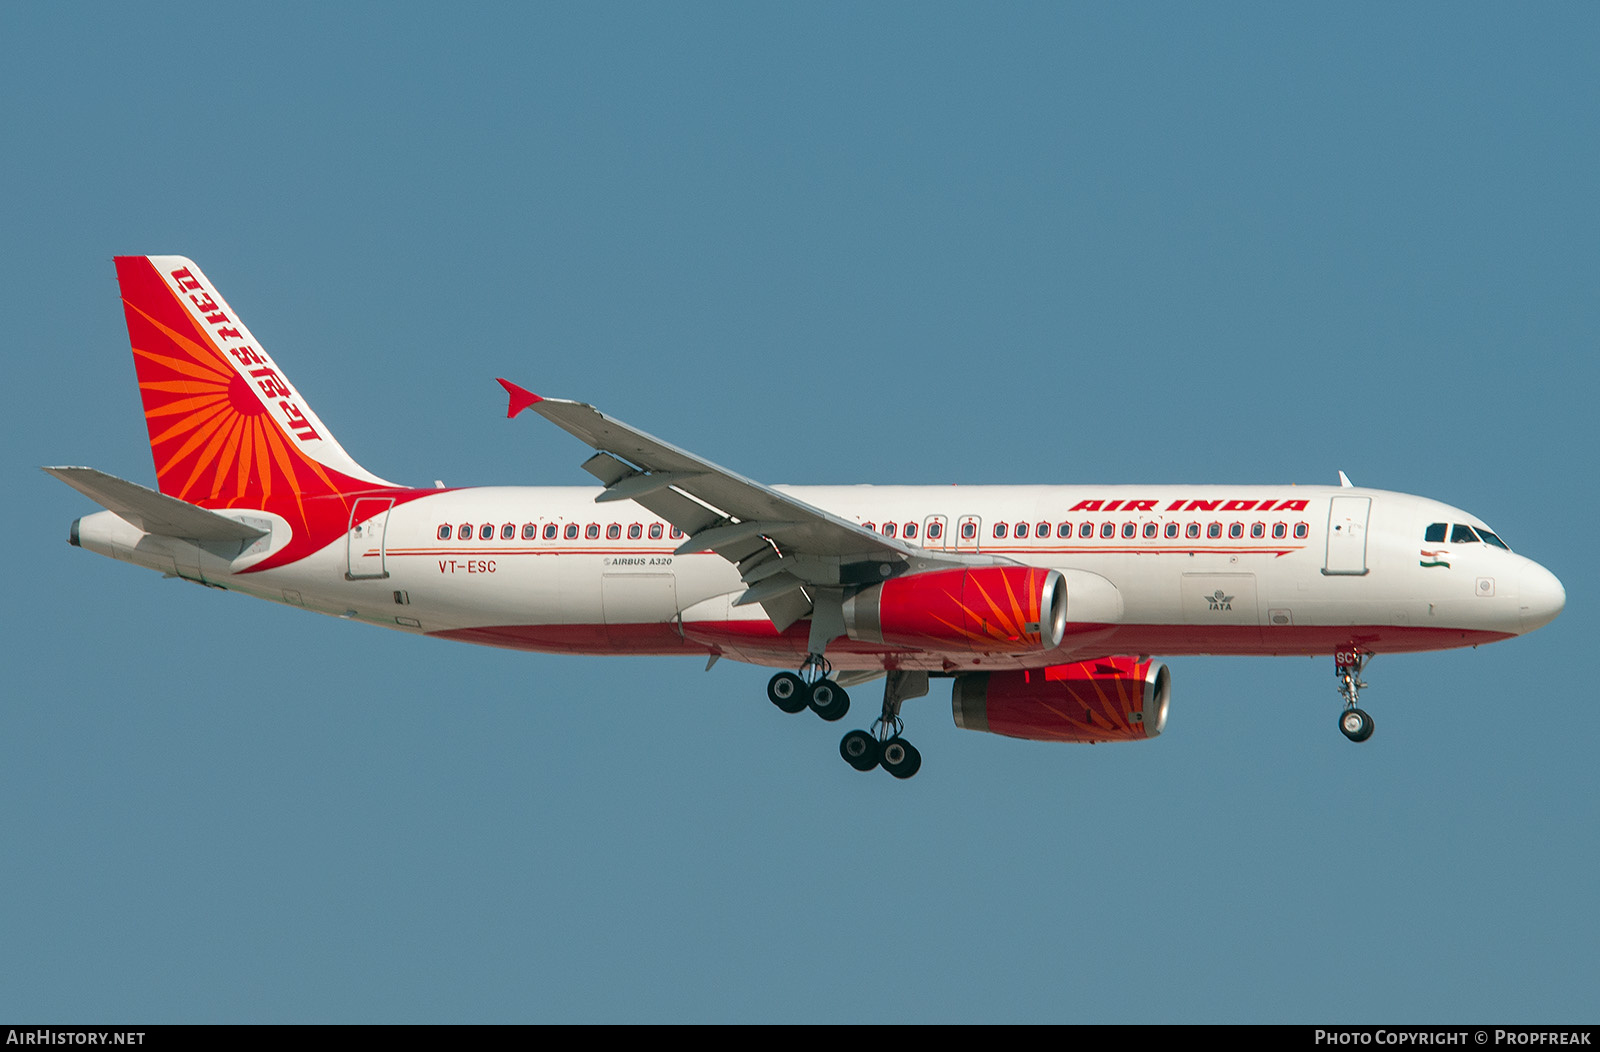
(1354, 723)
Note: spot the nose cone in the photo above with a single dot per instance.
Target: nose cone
(1542, 597)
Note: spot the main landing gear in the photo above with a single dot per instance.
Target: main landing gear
(883, 746)
(1354, 723)
(811, 688)
(814, 686)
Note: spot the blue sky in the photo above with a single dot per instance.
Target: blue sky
(819, 243)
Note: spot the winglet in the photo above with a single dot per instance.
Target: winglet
(1344, 480)
(520, 399)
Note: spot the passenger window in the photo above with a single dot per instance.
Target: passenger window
(910, 531)
(530, 530)
(870, 526)
(1236, 530)
(1171, 530)
(1258, 529)
(1064, 530)
(1086, 530)
(572, 531)
(508, 532)
(969, 530)
(550, 531)
(635, 531)
(592, 531)
(1460, 534)
(1434, 534)
(1151, 529)
(486, 532)
(1192, 530)
(444, 532)
(888, 529)
(675, 533)
(1022, 531)
(1108, 529)
(614, 532)
(1043, 530)
(935, 531)
(1214, 530)
(1279, 530)
(1301, 530)
(999, 529)
(1130, 529)
(655, 531)
(464, 532)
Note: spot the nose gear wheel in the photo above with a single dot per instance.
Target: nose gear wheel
(1354, 723)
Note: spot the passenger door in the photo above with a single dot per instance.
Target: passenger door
(364, 543)
(1347, 536)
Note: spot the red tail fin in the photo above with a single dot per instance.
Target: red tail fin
(227, 428)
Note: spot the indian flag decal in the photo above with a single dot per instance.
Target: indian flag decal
(1434, 558)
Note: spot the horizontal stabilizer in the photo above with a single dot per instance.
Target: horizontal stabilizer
(154, 512)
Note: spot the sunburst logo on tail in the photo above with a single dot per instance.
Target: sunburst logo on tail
(227, 429)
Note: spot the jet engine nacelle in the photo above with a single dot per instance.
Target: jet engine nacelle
(1106, 700)
(983, 610)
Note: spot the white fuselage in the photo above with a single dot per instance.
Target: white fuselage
(1321, 568)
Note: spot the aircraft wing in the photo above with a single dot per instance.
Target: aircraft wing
(781, 545)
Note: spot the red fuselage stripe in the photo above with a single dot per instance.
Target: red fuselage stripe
(758, 640)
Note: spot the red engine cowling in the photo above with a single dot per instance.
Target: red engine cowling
(1106, 700)
(983, 610)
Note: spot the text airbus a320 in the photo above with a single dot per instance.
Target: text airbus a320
(1040, 604)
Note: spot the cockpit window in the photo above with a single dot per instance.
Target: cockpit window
(1492, 539)
(1460, 534)
(1435, 533)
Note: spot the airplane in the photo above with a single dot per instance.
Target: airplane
(1041, 604)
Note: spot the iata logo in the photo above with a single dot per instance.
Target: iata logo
(1218, 601)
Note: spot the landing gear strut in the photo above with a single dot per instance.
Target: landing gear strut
(811, 687)
(1354, 723)
(883, 746)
